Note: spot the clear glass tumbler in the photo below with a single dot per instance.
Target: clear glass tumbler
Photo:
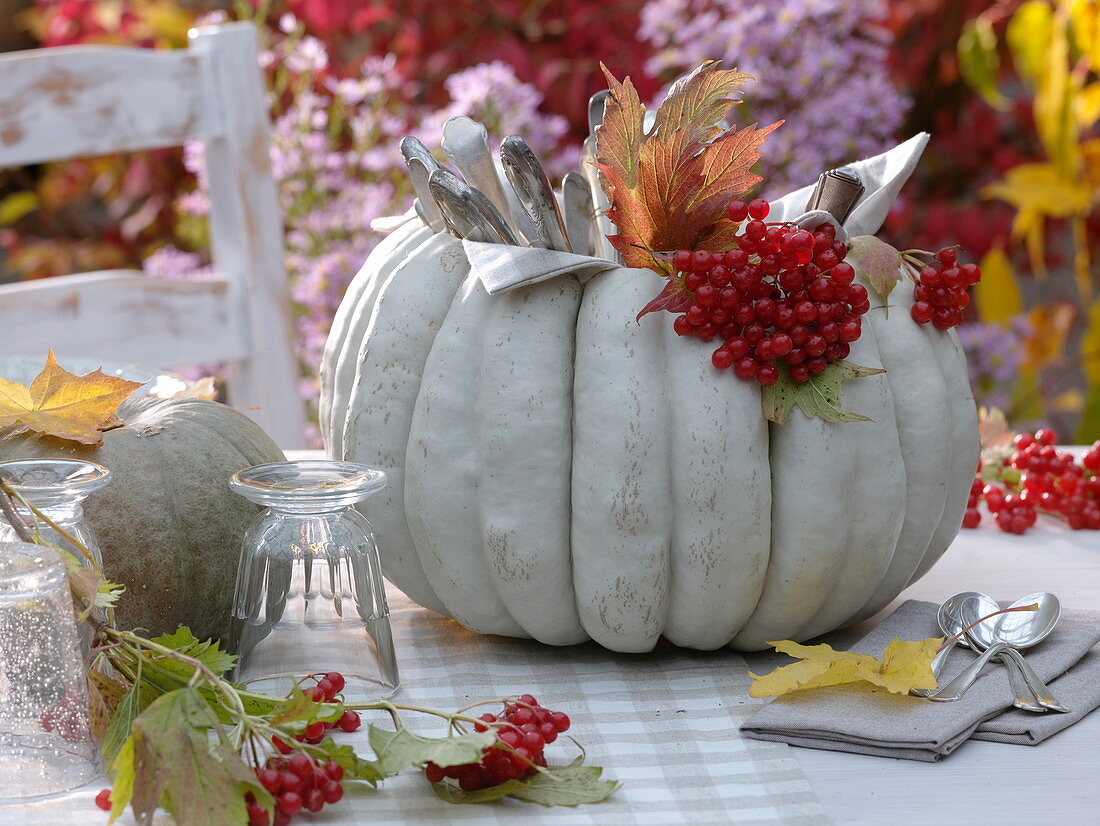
(46, 746)
(58, 488)
(310, 596)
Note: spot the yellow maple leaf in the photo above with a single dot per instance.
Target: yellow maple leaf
(60, 403)
(903, 667)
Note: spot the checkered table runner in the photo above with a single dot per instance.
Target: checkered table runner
(664, 724)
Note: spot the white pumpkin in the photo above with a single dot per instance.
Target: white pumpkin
(561, 471)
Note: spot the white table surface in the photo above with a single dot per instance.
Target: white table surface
(1055, 782)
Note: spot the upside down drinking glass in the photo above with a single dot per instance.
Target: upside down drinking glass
(46, 746)
(310, 597)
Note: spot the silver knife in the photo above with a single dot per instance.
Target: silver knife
(467, 211)
(529, 180)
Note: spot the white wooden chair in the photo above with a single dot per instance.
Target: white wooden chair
(84, 101)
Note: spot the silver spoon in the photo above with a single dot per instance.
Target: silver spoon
(468, 213)
(1021, 629)
(949, 619)
(954, 615)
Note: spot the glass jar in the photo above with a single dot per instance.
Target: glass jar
(310, 597)
(46, 745)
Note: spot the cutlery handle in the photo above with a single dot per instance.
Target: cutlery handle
(1024, 698)
(965, 678)
(1034, 683)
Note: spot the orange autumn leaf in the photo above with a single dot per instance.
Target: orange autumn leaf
(669, 188)
(904, 666)
(60, 403)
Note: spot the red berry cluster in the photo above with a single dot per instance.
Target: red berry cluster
(783, 295)
(1037, 477)
(67, 718)
(941, 294)
(326, 690)
(523, 730)
(297, 782)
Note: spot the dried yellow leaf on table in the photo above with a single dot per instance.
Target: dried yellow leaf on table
(904, 666)
(60, 403)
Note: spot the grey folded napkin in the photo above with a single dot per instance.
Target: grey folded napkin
(865, 719)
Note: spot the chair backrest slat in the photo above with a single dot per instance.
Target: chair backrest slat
(82, 101)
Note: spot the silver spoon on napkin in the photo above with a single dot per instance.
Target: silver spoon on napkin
(954, 615)
(1017, 630)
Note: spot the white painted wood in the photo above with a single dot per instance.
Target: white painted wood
(176, 322)
(79, 101)
(246, 233)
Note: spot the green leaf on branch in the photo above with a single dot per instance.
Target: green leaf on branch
(207, 652)
(132, 704)
(397, 750)
(354, 766)
(170, 761)
(569, 785)
(878, 265)
(819, 396)
(296, 708)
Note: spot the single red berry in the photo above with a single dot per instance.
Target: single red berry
(290, 803)
(316, 694)
(257, 815)
(315, 731)
(782, 344)
(682, 326)
(843, 273)
(700, 261)
(1045, 436)
(282, 747)
(682, 260)
(767, 375)
(921, 312)
(433, 773)
(694, 280)
(816, 365)
(271, 780)
(796, 356)
(332, 791)
(800, 374)
(720, 275)
(972, 518)
(349, 721)
(722, 358)
(947, 256)
(291, 781)
(754, 230)
(696, 315)
(971, 273)
(560, 720)
(759, 209)
(737, 211)
(706, 295)
(745, 368)
(103, 800)
(314, 800)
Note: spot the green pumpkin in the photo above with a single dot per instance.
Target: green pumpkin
(168, 524)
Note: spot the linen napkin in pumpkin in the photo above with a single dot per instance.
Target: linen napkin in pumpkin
(865, 719)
